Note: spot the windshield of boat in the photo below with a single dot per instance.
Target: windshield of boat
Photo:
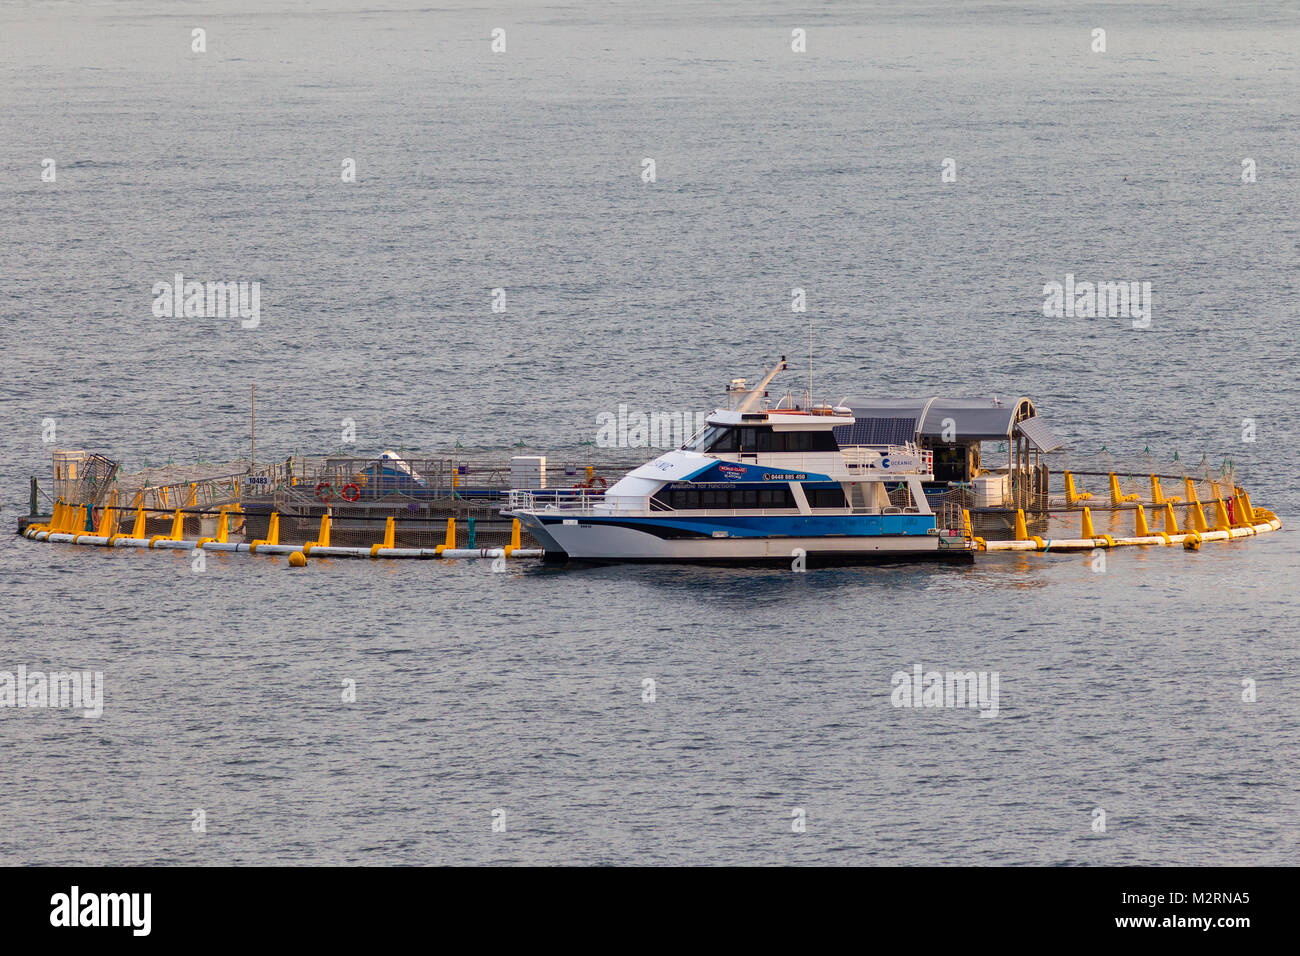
(703, 440)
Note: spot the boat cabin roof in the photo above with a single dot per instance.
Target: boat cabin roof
(784, 419)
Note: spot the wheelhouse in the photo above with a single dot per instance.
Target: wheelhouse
(738, 439)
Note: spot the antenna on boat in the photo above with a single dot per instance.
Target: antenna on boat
(808, 403)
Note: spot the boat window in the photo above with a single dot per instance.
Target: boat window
(762, 440)
(826, 497)
(728, 440)
(727, 499)
(704, 441)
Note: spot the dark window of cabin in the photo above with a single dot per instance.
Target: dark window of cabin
(727, 441)
(804, 441)
(826, 498)
(686, 499)
(755, 439)
(778, 497)
(731, 499)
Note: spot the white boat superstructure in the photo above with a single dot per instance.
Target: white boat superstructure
(769, 484)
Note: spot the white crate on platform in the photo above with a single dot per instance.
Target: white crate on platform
(528, 471)
(991, 491)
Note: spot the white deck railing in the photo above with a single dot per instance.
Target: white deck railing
(561, 499)
(870, 457)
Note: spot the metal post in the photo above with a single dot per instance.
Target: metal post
(34, 512)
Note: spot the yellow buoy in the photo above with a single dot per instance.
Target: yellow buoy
(297, 560)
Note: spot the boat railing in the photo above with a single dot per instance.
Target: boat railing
(873, 457)
(558, 499)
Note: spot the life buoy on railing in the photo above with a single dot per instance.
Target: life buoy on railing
(356, 492)
(324, 491)
(591, 483)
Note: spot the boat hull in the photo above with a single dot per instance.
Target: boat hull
(618, 541)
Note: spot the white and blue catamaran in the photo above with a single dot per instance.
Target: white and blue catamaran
(760, 483)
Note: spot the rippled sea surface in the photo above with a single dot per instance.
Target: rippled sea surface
(523, 691)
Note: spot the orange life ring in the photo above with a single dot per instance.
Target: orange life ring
(356, 492)
(324, 486)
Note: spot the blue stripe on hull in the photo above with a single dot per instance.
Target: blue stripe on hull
(774, 526)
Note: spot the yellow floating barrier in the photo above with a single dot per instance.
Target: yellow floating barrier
(322, 536)
(272, 533)
(390, 538)
(108, 519)
(1242, 517)
(1072, 495)
(450, 543)
(514, 538)
(1171, 526)
(1157, 496)
(1118, 497)
(1022, 532)
(177, 532)
(223, 528)
(1221, 520)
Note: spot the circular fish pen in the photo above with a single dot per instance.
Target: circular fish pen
(391, 507)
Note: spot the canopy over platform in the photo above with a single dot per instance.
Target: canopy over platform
(962, 419)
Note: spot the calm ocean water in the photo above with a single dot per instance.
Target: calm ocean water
(522, 170)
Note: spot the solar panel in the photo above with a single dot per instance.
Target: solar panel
(877, 431)
(1039, 434)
